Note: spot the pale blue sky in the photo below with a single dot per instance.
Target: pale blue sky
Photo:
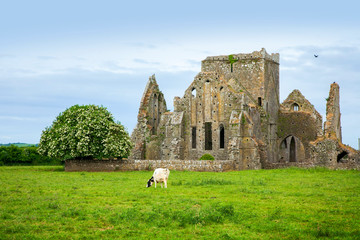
(54, 54)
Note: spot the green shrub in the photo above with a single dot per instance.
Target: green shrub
(14, 155)
(207, 156)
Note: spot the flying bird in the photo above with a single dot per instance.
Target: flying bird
(316, 55)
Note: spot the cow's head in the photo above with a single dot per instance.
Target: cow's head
(150, 182)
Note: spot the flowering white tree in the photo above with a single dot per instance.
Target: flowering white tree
(87, 131)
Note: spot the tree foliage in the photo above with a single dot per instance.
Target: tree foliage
(87, 131)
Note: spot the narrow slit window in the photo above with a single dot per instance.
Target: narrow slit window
(193, 137)
(222, 136)
(259, 101)
(155, 114)
(208, 136)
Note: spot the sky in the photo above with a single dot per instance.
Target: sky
(55, 54)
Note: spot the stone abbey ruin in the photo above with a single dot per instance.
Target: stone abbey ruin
(232, 111)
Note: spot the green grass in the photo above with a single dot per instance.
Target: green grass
(48, 203)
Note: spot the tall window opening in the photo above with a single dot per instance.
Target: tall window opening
(292, 150)
(155, 114)
(222, 136)
(208, 136)
(193, 137)
(259, 101)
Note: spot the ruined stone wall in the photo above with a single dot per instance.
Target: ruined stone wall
(208, 100)
(152, 106)
(328, 150)
(296, 102)
(232, 111)
(270, 108)
(331, 153)
(332, 126)
(243, 145)
(171, 136)
(255, 73)
(300, 125)
(257, 76)
(222, 89)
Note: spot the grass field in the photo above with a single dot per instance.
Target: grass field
(48, 203)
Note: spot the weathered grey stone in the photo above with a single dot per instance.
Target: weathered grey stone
(141, 165)
(232, 111)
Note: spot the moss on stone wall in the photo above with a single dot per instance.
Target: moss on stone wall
(299, 124)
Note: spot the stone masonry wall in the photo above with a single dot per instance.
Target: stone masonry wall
(152, 107)
(332, 125)
(232, 111)
(185, 165)
(142, 165)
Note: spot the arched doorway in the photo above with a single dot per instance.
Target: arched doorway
(291, 149)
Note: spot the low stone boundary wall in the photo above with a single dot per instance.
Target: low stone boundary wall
(345, 166)
(110, 165)
(276, 165)
(139, 165)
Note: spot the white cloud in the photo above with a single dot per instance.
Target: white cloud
(18, 118)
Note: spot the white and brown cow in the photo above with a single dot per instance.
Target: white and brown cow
(160, 175)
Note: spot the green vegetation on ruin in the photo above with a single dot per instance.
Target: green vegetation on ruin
(207, 156)
(48, 203)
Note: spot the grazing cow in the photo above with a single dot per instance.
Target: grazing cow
(160, 175)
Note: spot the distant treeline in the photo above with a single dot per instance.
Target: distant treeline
(14, 155)
(19, 144)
